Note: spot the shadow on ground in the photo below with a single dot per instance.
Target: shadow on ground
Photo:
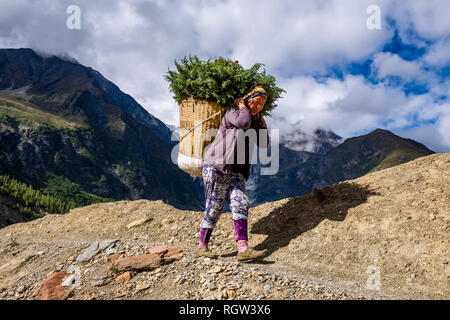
(304, 213)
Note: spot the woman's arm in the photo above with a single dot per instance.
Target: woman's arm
(239, 115)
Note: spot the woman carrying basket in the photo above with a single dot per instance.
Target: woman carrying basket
(224, 180)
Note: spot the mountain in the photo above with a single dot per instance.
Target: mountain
(320, 142)
(68, 132)
(382, 236)
(295, 149)
(302, 171)
(8, 213)
(358, 156)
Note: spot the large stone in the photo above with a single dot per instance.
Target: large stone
(139, 262)
(51, 288)
(94, 249)
(155, 257)
(168, 253)
(124, 277)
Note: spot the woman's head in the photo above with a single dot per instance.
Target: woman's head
(256, 104)
(255, 99)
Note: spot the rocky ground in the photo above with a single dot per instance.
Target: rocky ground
(382, 236)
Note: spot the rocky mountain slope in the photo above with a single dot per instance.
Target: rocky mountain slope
(301, 171)
(296, 149)
(382, 236)
(320, 142)
(68, 131)
(8, 214)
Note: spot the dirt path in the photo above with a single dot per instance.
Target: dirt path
(382, 236)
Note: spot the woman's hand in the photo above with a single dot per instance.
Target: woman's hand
(263, 122)
(239, 102)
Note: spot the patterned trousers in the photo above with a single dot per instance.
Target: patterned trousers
(220, 187)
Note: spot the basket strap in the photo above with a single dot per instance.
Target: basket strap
(209, 118)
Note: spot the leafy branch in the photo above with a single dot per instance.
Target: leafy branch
(221, 81)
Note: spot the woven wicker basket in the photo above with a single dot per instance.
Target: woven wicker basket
(199, 120)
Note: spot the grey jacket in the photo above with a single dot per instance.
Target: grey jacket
(222, 152)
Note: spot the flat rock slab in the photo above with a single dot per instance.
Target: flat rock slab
(51, 288)
(94, 249)
(154, 259)
(168, 253)
(140, 262)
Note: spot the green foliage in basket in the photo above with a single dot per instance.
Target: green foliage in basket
(221, 81)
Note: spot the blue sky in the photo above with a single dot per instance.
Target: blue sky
(339, 75)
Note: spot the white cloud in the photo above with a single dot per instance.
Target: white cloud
(289, 36)
(444, 127)
(334, 104)
(428, 18)
(40, 25)
(387, 64)
(354, 106)
(428, 134)
(439, 54)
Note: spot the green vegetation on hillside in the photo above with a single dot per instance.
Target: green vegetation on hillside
(397, 157)
(51, 193)
(132, 173)
(65, 130)
(29, 201)
(70, 192)
(32, 116)
(59, 196)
